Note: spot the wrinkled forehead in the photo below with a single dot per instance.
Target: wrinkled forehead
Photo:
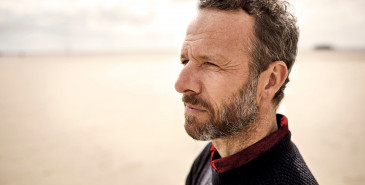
(226, 25)
(220, 32)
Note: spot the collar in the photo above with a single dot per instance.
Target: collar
(243, 157)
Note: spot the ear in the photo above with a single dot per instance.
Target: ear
(271, 80)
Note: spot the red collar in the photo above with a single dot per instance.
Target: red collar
(250, 153)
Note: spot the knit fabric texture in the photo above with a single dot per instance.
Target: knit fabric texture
(280, 165)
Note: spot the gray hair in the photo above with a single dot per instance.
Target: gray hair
(275, 30)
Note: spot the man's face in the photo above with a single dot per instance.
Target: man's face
(218, 93)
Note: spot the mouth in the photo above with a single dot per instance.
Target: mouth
(192, 109)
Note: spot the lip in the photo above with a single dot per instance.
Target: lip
(193, 109)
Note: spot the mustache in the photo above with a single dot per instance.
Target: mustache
(194, 100)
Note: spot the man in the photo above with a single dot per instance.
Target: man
(237, 55)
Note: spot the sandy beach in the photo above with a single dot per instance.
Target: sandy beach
(118, 120)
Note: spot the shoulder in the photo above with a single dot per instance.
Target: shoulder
(282, 164)
(288, 165)
(295, 168)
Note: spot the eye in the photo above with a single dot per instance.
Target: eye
(184, 62)
(210, 64)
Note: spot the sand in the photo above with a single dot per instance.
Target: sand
(118, 120)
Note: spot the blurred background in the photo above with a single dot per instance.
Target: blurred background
(87, 96)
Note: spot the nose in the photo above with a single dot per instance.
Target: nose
(188, 80)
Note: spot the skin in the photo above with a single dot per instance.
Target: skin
(216, 61)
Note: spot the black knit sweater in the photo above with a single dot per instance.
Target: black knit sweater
(282, 164)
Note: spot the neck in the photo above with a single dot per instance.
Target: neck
(264, 125)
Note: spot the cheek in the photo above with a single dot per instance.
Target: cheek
(218, 89)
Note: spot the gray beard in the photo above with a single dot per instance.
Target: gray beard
(240, 110)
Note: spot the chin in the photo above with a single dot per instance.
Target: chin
(196, 128)
(202, 131)
(194, 133)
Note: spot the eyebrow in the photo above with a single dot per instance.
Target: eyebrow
(206, 58)
(200, 57)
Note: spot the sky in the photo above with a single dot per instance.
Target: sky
(112, 26)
